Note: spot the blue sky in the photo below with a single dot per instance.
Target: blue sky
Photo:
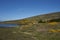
(19, 9)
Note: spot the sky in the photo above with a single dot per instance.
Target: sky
(19, 9)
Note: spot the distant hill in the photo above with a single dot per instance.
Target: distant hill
(40, 27)
(45, 17)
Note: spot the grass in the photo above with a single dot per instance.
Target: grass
(33, 28)
(34, 32)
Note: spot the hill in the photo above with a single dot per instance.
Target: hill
(37, 18)
(40, 27)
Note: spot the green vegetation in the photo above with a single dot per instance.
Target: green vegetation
(44, 27)
(41, 21)
(55, 20)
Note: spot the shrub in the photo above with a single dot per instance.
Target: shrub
(41, 21)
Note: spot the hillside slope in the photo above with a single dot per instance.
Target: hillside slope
(41, 27)
(37, 18)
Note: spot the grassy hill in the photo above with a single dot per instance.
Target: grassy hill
(40, 27)
(37, 18)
